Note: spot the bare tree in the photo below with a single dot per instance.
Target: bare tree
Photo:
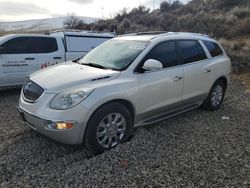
(73, 22)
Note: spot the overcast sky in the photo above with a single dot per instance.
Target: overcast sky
(15, 10)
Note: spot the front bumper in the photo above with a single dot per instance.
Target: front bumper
(39, 117)
(67, 136)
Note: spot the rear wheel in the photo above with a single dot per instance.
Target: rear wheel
(109, 126)
(215, 97)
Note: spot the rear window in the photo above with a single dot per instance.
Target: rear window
(83, 44)
(191, 51)
(45, 45)
(213, 48)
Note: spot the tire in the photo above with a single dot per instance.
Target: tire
(215, 97)
(107, 123)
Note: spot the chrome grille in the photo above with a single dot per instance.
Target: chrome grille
(31, 91)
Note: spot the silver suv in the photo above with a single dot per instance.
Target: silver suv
(126, 82)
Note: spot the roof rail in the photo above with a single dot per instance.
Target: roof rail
(151, 33)
(163, 33)
(80, 31)
(65, 30)
(187, 33)
(144, 33)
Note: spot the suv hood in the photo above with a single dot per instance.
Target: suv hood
(64, 76)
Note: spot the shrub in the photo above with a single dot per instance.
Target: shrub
(241, 12)
(165, 6)
(73, 22)
(245, 26)
(217, 18)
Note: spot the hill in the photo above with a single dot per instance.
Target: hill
(39, 25)
(223, 18)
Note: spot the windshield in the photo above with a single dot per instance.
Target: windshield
(115, 54)
(2, 38)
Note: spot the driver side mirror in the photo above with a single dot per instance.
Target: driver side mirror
(151, 65)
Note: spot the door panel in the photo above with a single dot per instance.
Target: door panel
(197, 71)
(197, 80)
(21, 56)
(49, 59)
(160, 90)
(15, 68)
(49, 52)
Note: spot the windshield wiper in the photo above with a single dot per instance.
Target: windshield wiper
(76, 61)
(94, 65)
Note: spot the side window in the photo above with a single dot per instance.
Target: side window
(45, 45)
(164, 52)
(191, 51)
(18, 45)
(83, 44)
(29, 45)
(213, 48)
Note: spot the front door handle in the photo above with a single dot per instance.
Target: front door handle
(57, 57)
(177, 78)
(29, 58)
(207, 70)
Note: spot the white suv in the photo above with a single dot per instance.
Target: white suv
(129, 81)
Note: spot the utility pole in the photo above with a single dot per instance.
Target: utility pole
(102, 12)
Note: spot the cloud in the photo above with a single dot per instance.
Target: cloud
(57, 15)
(11, 8)
(82, 1)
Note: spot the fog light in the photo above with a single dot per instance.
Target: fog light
(61, 126)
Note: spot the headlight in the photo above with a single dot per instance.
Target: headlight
(69, 99)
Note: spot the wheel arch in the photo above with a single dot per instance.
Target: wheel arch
(123, 102)
(223, 79)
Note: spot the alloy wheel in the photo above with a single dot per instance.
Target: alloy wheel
(111, 130)
(217, 96)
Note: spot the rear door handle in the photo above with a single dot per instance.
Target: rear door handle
(177, 78)
(207, 70)
(29, 58)
(57, 57)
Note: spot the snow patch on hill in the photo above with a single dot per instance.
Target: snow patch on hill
(41, 24)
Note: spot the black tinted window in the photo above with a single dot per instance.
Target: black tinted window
(165, 53)
(29, 45)
(19, 45)
(213, 48)
(191, 51)
(45, 45)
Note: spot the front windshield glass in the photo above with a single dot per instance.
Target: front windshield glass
(4, 37)
(115, 54)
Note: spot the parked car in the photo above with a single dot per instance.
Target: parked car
(23, 54)
(124, 83)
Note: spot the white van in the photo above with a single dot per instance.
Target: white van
(79, 43)
(23, 54)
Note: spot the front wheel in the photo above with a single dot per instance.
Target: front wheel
(108, 126)
(215, 97)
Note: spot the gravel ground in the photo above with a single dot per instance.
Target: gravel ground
(195, 149)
